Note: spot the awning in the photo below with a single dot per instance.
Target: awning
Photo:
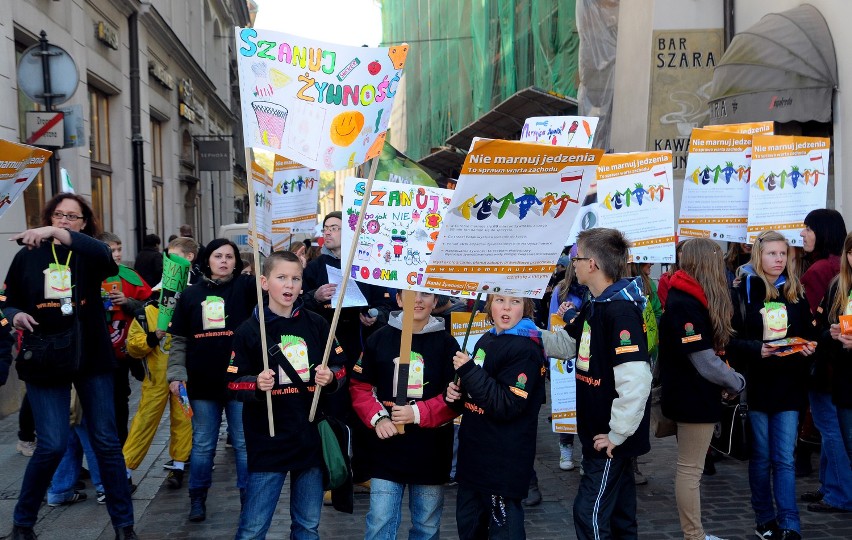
(783, 68)
(506, 120)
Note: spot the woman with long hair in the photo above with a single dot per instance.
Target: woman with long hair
(770, 305)
(838, 302)
(822, 240)
(694, 330)
(834, 363)
(202, 331)
(54, 296)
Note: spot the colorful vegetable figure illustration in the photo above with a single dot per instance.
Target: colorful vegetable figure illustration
(729, 171)
(705, 176)
(660, 190)
(760, 184)
(465, 207)
(548, 201)
(638, 192)
(563, 203)
(571, 131)
(506, 201)
(770, 182)
(528, 199)
(783, 178)
(716, 172)
(695, 175)
(588, 129)
(484, 207)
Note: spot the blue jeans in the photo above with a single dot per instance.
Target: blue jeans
(206, 420)
(51, 406)
(262, 494)
(835, 475)
(62, 485)
(425, 503)
(845, 417)
(774, 438)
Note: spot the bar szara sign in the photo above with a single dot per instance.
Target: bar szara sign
(682, 66)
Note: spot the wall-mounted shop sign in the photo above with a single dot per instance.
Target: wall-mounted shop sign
(161, 74)
(107, 35)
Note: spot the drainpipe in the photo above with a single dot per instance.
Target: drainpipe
(136, 131)
(728, 18)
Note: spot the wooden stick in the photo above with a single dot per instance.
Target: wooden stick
(257, 272)
(408, 298)
(346, 270)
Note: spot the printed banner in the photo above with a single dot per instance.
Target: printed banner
(563, 388)
(789, 176)
(19, 164)
(294, 196)
(747, 128)
(323, 105)
(262, 186)
(715, 189)
(401, 226)
(573, 131)
(459, 321)
(635, 197)
(511, 212)
(394, 166)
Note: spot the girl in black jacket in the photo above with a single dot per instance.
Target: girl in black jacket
(770, 304)
(694, 328)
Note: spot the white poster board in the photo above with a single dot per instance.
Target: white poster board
(323, 105)
(294, 194)
(511, 211)
(573, 131)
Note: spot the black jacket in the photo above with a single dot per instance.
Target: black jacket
(91, 262)
(775, 383)
(833, 364)
(296, 444)
(497, 437)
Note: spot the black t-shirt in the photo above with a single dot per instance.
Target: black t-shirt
(685, 328)
(420, 456)
(296, 444)
(207, 315)
(608, 334)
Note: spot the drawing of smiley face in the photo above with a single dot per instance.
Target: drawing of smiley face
(345, 127)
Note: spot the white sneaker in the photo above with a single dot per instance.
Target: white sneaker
(566, 458)
(26, 448)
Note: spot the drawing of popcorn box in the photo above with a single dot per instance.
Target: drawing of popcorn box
(271, 118)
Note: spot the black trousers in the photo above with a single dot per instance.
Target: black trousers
(481, 515)
(605, 506)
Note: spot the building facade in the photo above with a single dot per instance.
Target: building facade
(157, 79)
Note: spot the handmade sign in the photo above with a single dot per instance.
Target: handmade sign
(323, 105)
(19, 164)
(262, 224)
(509, 217)
(294, 195)
(715, 189)
(748, 128)
(573, 131)
(400, 229)
(635, 197)
(175, 279)
(788, 180)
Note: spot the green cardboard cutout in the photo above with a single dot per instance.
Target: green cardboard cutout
(175, 277)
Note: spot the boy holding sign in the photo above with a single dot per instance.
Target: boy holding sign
(613, 384)
(297, 337)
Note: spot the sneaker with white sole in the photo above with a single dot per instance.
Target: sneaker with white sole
(566, 458)
(26, 448)
(77, 496)
(101, 497)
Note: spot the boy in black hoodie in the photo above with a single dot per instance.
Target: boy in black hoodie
(419, 458)
(613, 385)
(301, 336)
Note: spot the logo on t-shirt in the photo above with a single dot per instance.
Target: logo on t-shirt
(584, 351)
(774, 320)
(522, 381)
(624, 336)
(479, 358)
(689, 329)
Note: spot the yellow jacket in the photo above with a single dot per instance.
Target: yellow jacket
(138, 345)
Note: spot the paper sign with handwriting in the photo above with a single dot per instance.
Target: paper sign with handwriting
(573, 131)
(323, 105)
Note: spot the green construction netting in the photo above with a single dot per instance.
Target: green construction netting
(465, 57)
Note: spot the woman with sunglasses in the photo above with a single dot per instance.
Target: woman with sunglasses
(54, 282)
(770, 304)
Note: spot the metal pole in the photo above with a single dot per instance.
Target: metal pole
(48, 105)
